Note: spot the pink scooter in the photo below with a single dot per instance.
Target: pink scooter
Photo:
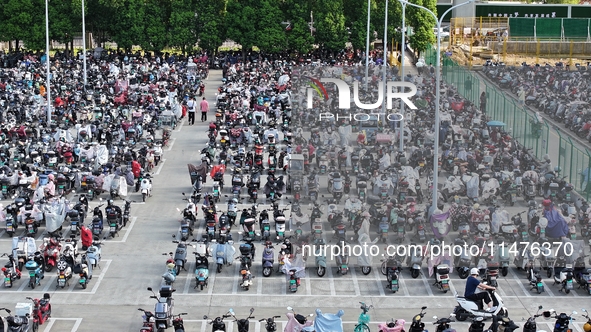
(392, 326)
(297, 322)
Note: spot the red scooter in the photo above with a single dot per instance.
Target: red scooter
(51, 251)
(41, 309)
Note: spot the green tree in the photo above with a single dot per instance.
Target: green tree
(394, 20)
(155, 25)
(422, 24)
(128, 27)
(211, 23)
(34, 38)
(359, 23)
(15, 19)
(65, 20)
(271, 33)
(183, 24)
(241, 14)
(298, 38)
(329, 21)
(101, 21)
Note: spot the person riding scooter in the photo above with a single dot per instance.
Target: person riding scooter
(471, 284)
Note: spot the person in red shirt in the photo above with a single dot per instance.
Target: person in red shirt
(136, 169)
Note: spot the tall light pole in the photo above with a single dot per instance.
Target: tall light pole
(367, 44)
(403, 47)
(385, 43)
(84, 47)
(48, 73)
(437, 91)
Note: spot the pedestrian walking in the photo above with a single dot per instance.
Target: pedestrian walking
(204, 106)
(191, 104)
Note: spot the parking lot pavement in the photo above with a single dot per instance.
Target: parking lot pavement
(134, 261)
(61, 324)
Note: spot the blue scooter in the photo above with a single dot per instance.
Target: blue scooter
(223, 251)
(35, 266)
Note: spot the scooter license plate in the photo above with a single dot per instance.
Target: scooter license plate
(62, 277)
(292, 282)
(31, 230)
(7, 281)
(540, 284)
(9, 228)
(82, 280)
(421, 164)
(385, 231)
(394, 282)
(83, 183)
(318, 231)
(113, 228)
(344, 267)
(341, 231)
(444, 282)
(31, 273)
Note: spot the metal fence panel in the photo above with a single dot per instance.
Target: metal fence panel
(576, 165)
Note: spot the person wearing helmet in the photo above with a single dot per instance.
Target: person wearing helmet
(470, 291)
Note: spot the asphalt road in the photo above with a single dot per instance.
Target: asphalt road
(134, 261)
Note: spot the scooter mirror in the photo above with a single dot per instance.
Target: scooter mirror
(435, 317)
(251, 310)
(540, 308)
(574, 312)
(584, 310)
(452, 315)
(183, 194)
(547, 314)
(204, 316)
(289, 308)
(179, 210)
(231, 311)
(150, 289)
(310, 315)
(423, 308)
(173, 236)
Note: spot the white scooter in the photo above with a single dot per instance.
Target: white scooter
(146, 188)
(93, 254)
(467, 308)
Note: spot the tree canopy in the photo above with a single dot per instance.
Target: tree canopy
(155, 25)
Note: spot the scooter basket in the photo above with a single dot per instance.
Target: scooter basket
(245, 249)
(443, 270)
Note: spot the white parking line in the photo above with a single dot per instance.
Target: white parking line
(160, 166)
(355, 282)
(426, 283)
(235, 281)
(378, 279)
(171, 143)
(403, 285)
(180, 126)
(547, 289)
(308, 286)
(51, 321)
(514, 276)
(260, 286)
(331, 280)
(188, 278)
(127, 232)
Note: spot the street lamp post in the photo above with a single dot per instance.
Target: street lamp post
(367, 44)
(385, 64)
(84, 47)
(437, 91)
(48, 73)
(403, 47)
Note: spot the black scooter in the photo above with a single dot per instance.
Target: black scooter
(243, 324)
